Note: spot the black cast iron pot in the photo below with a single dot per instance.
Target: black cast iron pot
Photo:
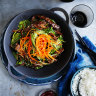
(51, 69)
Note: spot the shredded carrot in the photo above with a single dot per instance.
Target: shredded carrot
(44, 45)
(37, 44)
(22, 41)
(29, 49)
(29, 32)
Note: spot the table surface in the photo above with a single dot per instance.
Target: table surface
(9, 8)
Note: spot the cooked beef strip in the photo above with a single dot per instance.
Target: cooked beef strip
(54, 25)
(40, 24)
(61, 50)
(53, 36)
(58, 32)
(21, 52)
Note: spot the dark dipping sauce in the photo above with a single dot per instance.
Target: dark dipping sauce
(49, 93)
(79, 19)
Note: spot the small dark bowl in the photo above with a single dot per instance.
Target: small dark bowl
(63, 59)
(44, 90)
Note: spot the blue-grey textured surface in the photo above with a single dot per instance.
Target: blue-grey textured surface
(8, 9)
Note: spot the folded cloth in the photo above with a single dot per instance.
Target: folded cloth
(81, 59)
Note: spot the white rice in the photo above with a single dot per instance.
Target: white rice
(87, 85)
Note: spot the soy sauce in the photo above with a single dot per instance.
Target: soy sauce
(79, 19)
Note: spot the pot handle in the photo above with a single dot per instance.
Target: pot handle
(14, 73)
(62, 10)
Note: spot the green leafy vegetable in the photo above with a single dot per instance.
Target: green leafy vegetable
(33, 37)
(14, 54)
(52, 51)
(61, 38)
(49, 30)
(59, 42)
(23, 24)
(19, 62)
(15, 38)
(40, 32)
(39, 67)
(53, 20)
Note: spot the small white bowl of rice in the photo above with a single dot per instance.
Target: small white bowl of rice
(83, 82)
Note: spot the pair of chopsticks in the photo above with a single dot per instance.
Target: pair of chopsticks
(91, 53)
